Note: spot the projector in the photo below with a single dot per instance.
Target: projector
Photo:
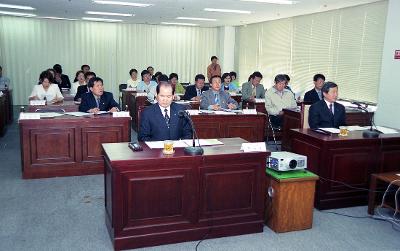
(286, 161)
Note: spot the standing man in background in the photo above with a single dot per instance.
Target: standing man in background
(214, 69)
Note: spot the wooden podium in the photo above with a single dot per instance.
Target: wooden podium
(290, 200)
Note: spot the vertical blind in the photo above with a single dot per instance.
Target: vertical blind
(29, 46)
(345, 45)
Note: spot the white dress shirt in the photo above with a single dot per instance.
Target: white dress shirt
(52, 92)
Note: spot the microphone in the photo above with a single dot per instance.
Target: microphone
(371, 132)
(192, 150)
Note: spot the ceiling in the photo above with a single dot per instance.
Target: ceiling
(168, 10)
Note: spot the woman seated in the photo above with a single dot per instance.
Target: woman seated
(80, 76)
(45, 90)
(227, 85)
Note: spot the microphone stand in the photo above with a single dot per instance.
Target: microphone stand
(371, 132)
(193, 150)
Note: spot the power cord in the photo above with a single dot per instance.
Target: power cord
(350, 186)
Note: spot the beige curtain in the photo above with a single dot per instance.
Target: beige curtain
(29, 45)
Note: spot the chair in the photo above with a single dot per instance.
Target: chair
(304, 115)
(50, 109)
(273, 129)
(121, 87)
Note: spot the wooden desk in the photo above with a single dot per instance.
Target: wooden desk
(350, 159)
(152, 199)
(66, 146)
(293, 119)
(127, 98)
(3, 117)
(68, 106)
(248, 127)
(378, 179)
(8, 102)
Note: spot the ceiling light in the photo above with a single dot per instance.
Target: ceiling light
(196, 18)
(108, 13)
(227, 10)
(19, 7)
(101, 19)
(187, 24)
(272, 1)
(59, 18)
(123, 3)
(19, 14)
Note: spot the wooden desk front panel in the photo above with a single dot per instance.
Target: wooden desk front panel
(350, 160)
(152, 199)
(68, 146)
(248, 127)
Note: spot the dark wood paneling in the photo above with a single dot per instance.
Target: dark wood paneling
(158, 199)
(67, 145)
(349, 160)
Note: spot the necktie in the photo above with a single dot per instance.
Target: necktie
(331, 108)
(216, 98)
(198, 92)
(166, 117)
(253, 93)
(98, 102)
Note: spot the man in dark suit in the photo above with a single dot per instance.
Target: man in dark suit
(327, 112)
(61, 79)
(82, 89)
(97, 99)
(160, 121)
(315, 94)
(193, 92)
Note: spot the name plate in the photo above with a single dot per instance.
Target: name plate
(250, 111)
(25, 115)
(37, 102)
(141, 94)
(253, 147)
(193, 112)
(260, 100)
(121, 114)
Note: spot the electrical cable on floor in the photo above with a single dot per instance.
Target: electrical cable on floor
(353, 187)
(346, 215)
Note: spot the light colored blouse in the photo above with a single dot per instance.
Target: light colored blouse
(131, 83)
(52, 92)
(74, 87)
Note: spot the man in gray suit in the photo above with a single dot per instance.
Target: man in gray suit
(215, 98)
(253, 89)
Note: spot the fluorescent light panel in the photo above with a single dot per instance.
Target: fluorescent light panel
(101, 19)
(272, 1)
(122, 3)
(18, 7)
(228, 11)
(19, 14)
(59, 18)
(196, 18)
(108, 13)
(186, 24)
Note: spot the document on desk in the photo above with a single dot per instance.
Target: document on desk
(331, 130)
(385, 130)
(355, 128)
(183, 143)
(203, 142)
(49, 114)
(77, 114)
(260, 100)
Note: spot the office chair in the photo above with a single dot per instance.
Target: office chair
(273, 129)
(121, 87)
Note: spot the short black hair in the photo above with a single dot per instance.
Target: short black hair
(318, 76)
(280, 78)
(163, 78)
(85, 65)
(215, 76)
(89, 73)
(199, 76)
(256, 74)
(144, 72)
(157, 74)
(45, 74)
(224, 76)
(132, 70)
(150, 67)
(173, 75)
(57, 68)
(166, 85)
(214, 57)
(287, 77)
(328, 85)
(232, 73)
(95, 79)
(79, 72)
(1, 68)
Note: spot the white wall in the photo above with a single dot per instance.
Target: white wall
(388, 113)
